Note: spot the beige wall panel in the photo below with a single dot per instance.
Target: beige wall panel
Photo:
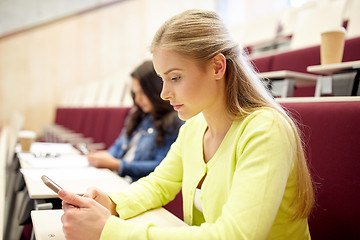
(39, 66)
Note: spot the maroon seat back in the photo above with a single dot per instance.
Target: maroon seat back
(352, 49)
(98, 132)
(103, 124)
(263, 64)
(90, 115)
(297, 60)
(60, 116)
(70, 117)
(332, 134)
(114, 123)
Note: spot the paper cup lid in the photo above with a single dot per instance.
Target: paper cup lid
(26, 134)
(335, 29)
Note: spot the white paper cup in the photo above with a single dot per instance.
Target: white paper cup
(332, 45)
(26, 139)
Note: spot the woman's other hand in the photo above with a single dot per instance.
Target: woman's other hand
(102, 159)
(102, 198)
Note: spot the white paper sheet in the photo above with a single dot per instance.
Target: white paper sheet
(67, 160)
(45, 147)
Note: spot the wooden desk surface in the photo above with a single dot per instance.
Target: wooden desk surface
(70, 170)
(47, 223)
(329, 69)
(301, 79)
(76, 180)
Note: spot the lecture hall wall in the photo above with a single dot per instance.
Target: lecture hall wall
(38, 65)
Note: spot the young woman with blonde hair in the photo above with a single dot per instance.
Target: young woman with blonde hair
(238, 158)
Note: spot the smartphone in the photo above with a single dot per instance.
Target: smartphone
(82, 148)
(51, 184)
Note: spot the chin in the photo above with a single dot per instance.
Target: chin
(185, 117)
(146, 110)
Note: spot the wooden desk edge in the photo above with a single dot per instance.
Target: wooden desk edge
(301, 79)
(317, 99)
(288, 74)
(332, 68)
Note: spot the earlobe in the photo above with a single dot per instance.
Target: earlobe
(219, 65)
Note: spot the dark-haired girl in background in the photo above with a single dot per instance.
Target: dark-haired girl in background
(150, 129)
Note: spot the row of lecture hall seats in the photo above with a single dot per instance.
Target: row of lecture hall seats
(298, 27)
(91, 125)
(330, 127)
(298, 60)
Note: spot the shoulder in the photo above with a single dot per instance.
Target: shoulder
(266, 120)
(267, 115)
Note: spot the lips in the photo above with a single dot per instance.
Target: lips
(177, 107)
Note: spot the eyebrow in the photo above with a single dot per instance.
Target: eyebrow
(170, 70)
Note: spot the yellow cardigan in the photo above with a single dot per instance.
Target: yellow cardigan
(246, 194)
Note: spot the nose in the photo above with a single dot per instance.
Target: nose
(165, 92)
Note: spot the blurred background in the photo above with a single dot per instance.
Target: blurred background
(80, 52)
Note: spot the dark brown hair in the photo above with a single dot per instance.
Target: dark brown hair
(163, 113)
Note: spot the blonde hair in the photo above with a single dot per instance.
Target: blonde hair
(201, 35)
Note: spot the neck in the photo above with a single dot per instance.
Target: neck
(217, 127)
(218, 121)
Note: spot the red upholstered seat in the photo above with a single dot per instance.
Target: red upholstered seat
(263, 64)
(352, 50)
(332, 134)
(60, 117)
(99, 127)
(304, 91)
(71, 118)
(175, 206)
(297, 60)
(102, 124)
(90, 124)
(114, 123)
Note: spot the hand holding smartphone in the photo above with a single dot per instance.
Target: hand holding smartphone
(51, 184)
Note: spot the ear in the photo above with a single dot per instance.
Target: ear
(219, 63)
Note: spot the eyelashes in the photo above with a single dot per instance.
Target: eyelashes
(175, 78)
